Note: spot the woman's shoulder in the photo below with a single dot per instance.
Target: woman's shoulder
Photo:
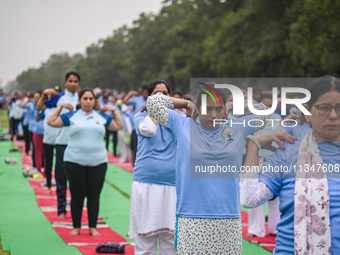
(71, 115)
(290, 154)
(141, 114)
(177, 117)
(102, 115)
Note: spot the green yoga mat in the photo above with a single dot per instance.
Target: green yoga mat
(24, 229)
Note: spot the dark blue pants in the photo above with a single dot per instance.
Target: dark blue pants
(60, 178)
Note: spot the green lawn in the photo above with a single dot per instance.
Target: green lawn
(4, 122)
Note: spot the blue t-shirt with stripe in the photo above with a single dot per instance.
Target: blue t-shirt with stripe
(86, 145)
(63, 135)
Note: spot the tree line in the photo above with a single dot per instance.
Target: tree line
(205, 38)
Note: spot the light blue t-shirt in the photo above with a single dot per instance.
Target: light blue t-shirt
(263, 153)
(16, 111)
(300, 130)
(28, 113)
(50, 133)
(131, 116)
(63, 135)
(110, 113)
(38, 126)
(31, 110)
(208, 197)
(86, 145)
(138, 102)
(156, 156)
(283, 185)
(102, 104)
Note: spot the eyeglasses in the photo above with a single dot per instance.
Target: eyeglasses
(325, 109)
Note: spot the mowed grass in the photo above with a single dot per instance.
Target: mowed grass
(4, 120)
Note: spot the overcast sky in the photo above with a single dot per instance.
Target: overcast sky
(32, 30)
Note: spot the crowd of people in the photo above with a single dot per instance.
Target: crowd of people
(166, 136)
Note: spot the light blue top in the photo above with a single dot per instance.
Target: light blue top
(50, 133)
(63, 135)
(283, 185)
(138, 102)
(102, 104)
(263, 153)
(110, 113)
(86, 145)
(28, 113)
(123, 118)
(156, 156)
(182, 113)
(31, 110)
(209, 195)
(16, 111)
(131, 116)
(38, 126)
(300, 130)
(100, 100)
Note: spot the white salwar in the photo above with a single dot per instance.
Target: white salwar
(152, 216)
(124, 145)
(124, 149)
(256, 219)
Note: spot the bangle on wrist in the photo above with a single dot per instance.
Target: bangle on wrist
(253, 138)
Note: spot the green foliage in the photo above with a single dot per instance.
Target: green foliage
(206, 38)
(50, 74)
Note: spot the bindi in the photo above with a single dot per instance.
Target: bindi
(333, 87)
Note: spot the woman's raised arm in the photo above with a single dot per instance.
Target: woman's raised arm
(54, 120)
(253, 191)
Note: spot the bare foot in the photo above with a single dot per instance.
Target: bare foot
(75, 232)
(49, 191)
(62, 216)
(250, 235)
(94, 232)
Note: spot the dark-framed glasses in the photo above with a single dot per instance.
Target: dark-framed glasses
(325, 109)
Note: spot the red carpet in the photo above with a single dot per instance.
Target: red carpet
(48, 204)
(267, 242)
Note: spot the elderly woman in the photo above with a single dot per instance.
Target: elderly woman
(208, 209)
(308, 188)
(85, 158)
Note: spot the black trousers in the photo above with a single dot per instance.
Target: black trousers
(27, 139)
(13, 124)
(60, 178)
(85, 181)
(48, 153)
(30, 134)
(114, 140)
